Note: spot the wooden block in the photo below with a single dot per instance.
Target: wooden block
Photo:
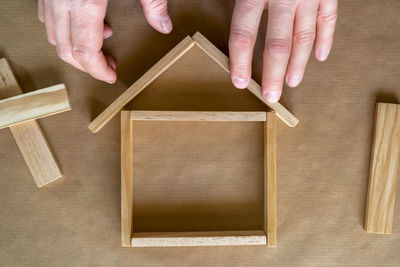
(152, 74)
(270, 195)
(29, 136)
(253, 86)
(126, 178)
(222, 238)
(197, 116)
(383, 170)
(34, 105)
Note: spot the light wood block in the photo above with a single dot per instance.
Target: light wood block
(34, 105)
(384, 167)
(270, 192)
(223, 238)
(29, 137)
(126, 178)
(196, 116)
(253, 86)
(152, 74)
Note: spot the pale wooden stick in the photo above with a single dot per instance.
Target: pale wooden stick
(270, 194)
(138, 115)
(253, 86)
(214, 238)
(29, 136)
(384, 167)
(34, 105)
(176, 53)
(126, 178)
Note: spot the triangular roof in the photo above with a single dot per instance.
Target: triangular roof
(168, 60)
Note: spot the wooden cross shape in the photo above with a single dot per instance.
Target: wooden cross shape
(19, 111)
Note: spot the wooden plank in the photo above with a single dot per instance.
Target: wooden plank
(34, 105)
(270, 194)
(176, 53)
(253, 87)
(29, 136)
(196, 116)
(383, 170)
(126, 178)
(213, 238)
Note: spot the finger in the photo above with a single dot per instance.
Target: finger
(277, 47)
(49, 22)
(87, 29)
(107, 32)
(303, 40)
(327, 15)
(62, 29)
(40, 11)
(245, 21)
(156, 14)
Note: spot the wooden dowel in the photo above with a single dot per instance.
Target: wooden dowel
(384, 167)
(126, 178)
(197, 116)
(270, 194)
(213, 238)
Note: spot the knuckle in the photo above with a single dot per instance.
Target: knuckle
(304, 37)
(155, 5)
(64, 53)
(327, 17)
(279, 47)
(286, 3)
(248, 4)
(242, 38)
(82, 54)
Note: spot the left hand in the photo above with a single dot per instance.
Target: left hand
(293, 26)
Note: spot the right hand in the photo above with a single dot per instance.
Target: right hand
(77, 29)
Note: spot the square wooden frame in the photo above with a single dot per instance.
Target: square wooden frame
(266, 236)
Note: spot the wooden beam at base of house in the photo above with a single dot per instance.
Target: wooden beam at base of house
(140, 115)
(270, 183)
(34, 105)
(194, 239)
(384, 167)
(29, 136)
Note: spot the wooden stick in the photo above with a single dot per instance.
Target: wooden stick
(34, 105)
(29, 136)
(138, 115)
(384, 167)
(253, 87)
(222, 238)
(126, 178)
(176, 53)
(270, 194)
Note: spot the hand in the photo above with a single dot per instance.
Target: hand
(293, 25)
(77, 29)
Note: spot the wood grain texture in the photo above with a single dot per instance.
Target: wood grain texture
(222, 60)
(152, 74)
(34, 105)
(270, 194)
(213, 238)
(29, 137)
(126, 178)
(384, 167)
(197, 116)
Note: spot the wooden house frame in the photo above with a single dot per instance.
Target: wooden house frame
(130, 238)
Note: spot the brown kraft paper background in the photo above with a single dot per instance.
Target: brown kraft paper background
(323, 163)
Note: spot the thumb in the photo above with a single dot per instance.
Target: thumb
(156, 14)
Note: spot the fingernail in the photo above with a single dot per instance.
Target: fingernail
(166, 24)
(112, 64)
(322, 55)
(239, 82)
(111, 82)
(272, 96)
(107, 34)
(293, 81)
